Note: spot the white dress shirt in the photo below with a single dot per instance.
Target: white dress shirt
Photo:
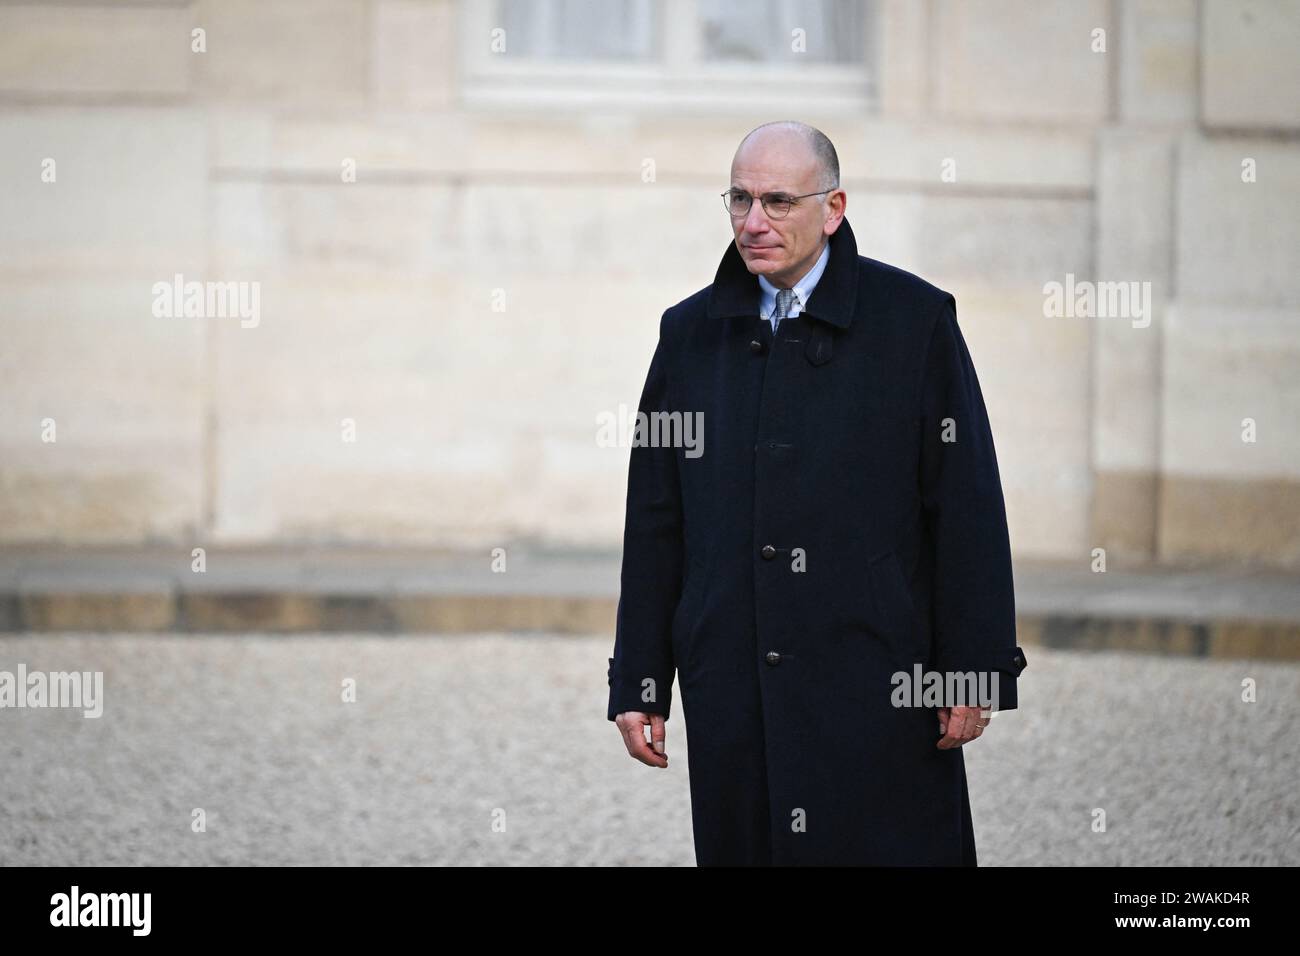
(802, 289)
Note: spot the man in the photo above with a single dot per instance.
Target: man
(841, 527)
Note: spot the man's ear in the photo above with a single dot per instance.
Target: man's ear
(837, 215)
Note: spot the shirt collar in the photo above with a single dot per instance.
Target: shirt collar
(802, 289)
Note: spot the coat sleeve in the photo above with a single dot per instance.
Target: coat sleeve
(641, 670)
(973, 605)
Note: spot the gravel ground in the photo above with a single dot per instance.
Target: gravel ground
(451, 733)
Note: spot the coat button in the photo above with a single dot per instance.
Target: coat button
(768, 552)
(756, 347)
(773, 658)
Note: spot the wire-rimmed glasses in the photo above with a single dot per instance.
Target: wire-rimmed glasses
(737, 202)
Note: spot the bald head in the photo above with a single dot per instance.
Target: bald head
(790, 139)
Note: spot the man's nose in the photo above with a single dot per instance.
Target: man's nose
(756, 221)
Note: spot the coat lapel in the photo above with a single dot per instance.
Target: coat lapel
(735, 290)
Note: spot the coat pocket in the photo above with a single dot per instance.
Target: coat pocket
(894, 609)
(687, 612)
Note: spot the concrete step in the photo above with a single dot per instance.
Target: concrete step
(1204, 612)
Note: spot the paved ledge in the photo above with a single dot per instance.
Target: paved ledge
(1202, 612)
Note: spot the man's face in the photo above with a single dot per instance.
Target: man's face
(782, 249)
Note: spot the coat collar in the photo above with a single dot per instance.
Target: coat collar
(735, 290)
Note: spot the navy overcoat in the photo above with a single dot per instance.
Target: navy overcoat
(841, 520)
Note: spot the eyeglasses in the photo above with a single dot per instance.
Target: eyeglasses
(777, 205)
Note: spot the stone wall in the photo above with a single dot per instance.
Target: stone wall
(492, 280)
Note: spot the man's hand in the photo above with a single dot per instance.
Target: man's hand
(631, 724)
(961, 725)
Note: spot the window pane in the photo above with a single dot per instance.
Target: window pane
(581, 29)
(760, 30)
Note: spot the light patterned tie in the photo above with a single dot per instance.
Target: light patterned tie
(783, 299)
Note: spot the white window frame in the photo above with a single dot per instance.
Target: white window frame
(677, 82)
